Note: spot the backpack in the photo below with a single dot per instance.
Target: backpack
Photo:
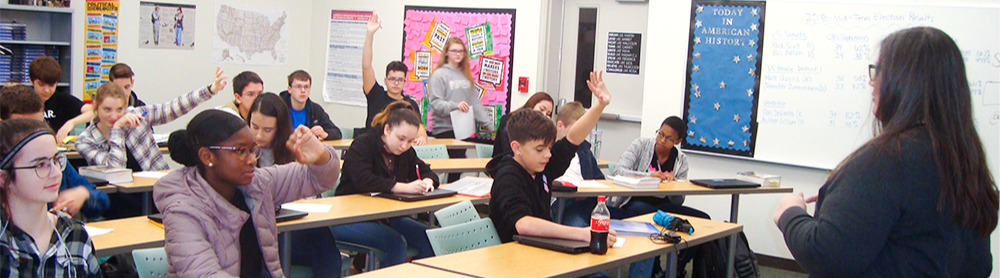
(710, 261)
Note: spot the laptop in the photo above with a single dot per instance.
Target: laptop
(280, 215)
(725, 183)
(561, 245)
(437, 193)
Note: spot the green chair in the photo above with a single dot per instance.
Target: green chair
(431, 151)
(347, 132)
(611, 168)
(150, 263)
(484, 151)
(463, 237)
(459, 213)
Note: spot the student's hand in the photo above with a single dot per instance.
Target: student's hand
(597, 86)
(812, 199)
(420, 141)
(612, 237)
(413, 187)
(220, 81)
(63, 132)
(788, 201)
(71, 200)
(464, 107)
(429, 184)
(318, 132)
(669, 177)
(659, 175)
(306, 148)
(128, 120)
(373, 23)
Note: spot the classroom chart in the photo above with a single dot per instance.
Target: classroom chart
(345, 40)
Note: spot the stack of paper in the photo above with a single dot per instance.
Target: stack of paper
(637, 182)
(471, 186)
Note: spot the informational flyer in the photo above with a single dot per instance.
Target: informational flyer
(166, 25)
(479, 40)
(101, 44)
(345, 41)
(438, 35)
(490, 71)
(422, 65)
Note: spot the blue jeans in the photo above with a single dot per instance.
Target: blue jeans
(177, 35)
(391, 239)
(317, 248)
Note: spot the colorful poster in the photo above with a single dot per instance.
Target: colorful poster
(437, 36)
(345, 43)
(166, 25)
(422, 65)
(100, 45)
(479, 40)
(490, 71)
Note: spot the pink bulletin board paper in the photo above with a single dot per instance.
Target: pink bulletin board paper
(418, 21)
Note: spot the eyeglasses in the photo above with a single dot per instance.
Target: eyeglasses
(661, 136)
(241, 152)
(44, 167)
(396, 80)
(456, 51)
(301, 87)
(872, 71)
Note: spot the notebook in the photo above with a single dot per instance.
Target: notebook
(561, 245)
(437, 193)
(280, 215)
(725, 183)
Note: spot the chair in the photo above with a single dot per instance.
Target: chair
(484, 151)
(431, 151)
(462, 237)
(150, 263)
(348, 133)
(459, 213)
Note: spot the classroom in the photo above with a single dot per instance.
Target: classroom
(803, 103)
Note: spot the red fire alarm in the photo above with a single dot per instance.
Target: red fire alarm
(522, 84)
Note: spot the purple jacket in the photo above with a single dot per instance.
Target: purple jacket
(202, 228)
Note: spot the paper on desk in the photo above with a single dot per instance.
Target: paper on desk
(150, 174)
(588, 184)
(463, 123)
(619, 242)
(317, 208)
(95, 231)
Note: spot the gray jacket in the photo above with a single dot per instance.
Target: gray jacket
(635, 162)
(447, 88)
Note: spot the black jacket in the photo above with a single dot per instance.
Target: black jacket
(515, 194)
(501, 143)
(589, 168)
(364, 170)
(315, 115)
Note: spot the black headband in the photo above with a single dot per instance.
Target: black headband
(8, 158)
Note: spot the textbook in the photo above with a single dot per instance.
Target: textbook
(471, 186)
(633, 228)
(637, 182)
(761, 178)
(112, 175)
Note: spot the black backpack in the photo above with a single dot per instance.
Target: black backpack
(710, 261)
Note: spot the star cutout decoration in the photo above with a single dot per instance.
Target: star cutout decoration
(752, 42)
(746, 129)
(722, 84)
(694, 120)
(697, 55)
(695, 86)
(731, 143)
(736, 118)
(697, 94)
(752, 72)
(717, 106)
(697, 23)
(716, 141)
(696, 68)
(736, 59)
(750, 57)
(703, 140)
(702, 9)
(750, 92)
(697, 40)
(691, 134)
(752, 11)
(753, 26)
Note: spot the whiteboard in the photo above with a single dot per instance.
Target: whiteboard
(815, 102)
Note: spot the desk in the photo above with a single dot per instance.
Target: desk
(142, 185)
(76, 155)
(129, 234)
(409, 270)
(463, 165)
(108, 189)
(450, 143)
(517, 260)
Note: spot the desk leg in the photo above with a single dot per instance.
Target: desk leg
(671, 263)
(733, 214)
(560, 208)
(147, 203)
(285, 246)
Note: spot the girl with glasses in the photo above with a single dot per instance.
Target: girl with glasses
(218, 211)
(36, 242)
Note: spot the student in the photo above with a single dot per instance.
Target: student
(62, 110)
(123, 138)
(382, 161)
(271, 128)
(519, 201)
(246, 87)
(540, 101)
(306, 112)
(122, 74)
(218, 211)
(34, 241)
(450, 89)
(918, 199)
(76, 194)
(395, 78)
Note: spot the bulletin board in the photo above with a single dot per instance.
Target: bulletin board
(489, 37)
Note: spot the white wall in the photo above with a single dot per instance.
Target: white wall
(668, 32)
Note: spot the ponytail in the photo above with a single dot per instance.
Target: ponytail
(395, 114)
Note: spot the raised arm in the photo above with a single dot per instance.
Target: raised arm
(581, 128)
(367, 71)
(316, 170)
(159, 114)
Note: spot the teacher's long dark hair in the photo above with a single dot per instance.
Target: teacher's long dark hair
(920, 80)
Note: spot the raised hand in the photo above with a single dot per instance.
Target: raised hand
(597, 86)
(373, 23)
(306, 148)
(220, 81)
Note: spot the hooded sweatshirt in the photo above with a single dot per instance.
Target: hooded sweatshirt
(447, 88)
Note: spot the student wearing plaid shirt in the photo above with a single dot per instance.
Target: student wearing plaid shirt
(35, 242)
(122, 137)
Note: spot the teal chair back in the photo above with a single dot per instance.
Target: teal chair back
(347, 132)
(484, 151)
(431, 151)
(463, 237)
(456, 214)
(150, 263)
